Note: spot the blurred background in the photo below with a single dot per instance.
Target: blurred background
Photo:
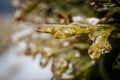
(13, 64)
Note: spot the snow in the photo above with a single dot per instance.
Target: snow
(14, 65)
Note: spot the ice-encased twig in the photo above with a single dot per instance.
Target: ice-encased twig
(97, 33)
